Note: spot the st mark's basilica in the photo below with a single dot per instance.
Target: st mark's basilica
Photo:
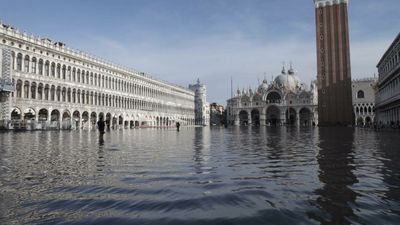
(283, 101)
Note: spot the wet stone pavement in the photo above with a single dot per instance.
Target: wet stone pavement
(201, 176)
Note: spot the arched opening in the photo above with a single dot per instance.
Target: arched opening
(108, 120)
(243, 118)
(33, 90)
(43, 115)
(273, 97)
(255, 117)
(40, 92)
(85, 119)
(66, 120)
(273, 116)
(26, 64)
(40, 66)
(93, 119)
(101, 116)
(19, 88)
(360, 121)
(29, 114)
(77, 118)
(19, 62)
(16, 114)
(305, 117)
(26, 89)
(368, 121)
(55, 119)
(291, 117)
(46, 92)
(360, 94)
(120, 121)
(114, 122)
(55, 115)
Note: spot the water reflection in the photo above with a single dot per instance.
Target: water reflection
(336, 165)
(261, 175)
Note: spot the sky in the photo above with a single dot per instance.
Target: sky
(213, 40)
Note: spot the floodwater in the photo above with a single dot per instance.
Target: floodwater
(201, 176)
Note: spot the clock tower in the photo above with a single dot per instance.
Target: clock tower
(333, 61)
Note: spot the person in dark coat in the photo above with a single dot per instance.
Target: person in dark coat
(178, 125)
(101, 125)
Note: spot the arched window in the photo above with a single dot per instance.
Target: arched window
(69, 73)
(64, 72)
(53, 69)
(33, 65)
(273, 97)
(78, 76)
(360, 94)
(26, 64)
(74, 74)
(40, 66)
(58, 70)
(19, 62)
(47, 68)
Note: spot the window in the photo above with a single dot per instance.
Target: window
(33, 65)
(26, 64)
(360, 94)
(40, 67)
(19, 62)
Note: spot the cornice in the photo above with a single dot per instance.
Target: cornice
(323, 3)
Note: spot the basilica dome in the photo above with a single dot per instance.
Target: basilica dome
(289, 81)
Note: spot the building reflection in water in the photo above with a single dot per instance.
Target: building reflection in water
(390, 157)
(201, 148)
(336, 174)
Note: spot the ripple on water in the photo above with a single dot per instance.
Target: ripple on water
(201, 176)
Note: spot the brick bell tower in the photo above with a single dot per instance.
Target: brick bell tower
(333, 61)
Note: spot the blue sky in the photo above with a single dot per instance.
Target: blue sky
(181, 40)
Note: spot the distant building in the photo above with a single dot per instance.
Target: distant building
(217, 114)
(364, 101)
(283, 101)
(333, 60)
(388, 96)
(202, 107)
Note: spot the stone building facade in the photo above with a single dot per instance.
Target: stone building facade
(217, 114)
(283, 101)
(55, 87)
(388, 94)
(202, 107)
(364, 101)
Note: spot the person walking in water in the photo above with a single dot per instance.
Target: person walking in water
(101, 125)
(178, 125)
